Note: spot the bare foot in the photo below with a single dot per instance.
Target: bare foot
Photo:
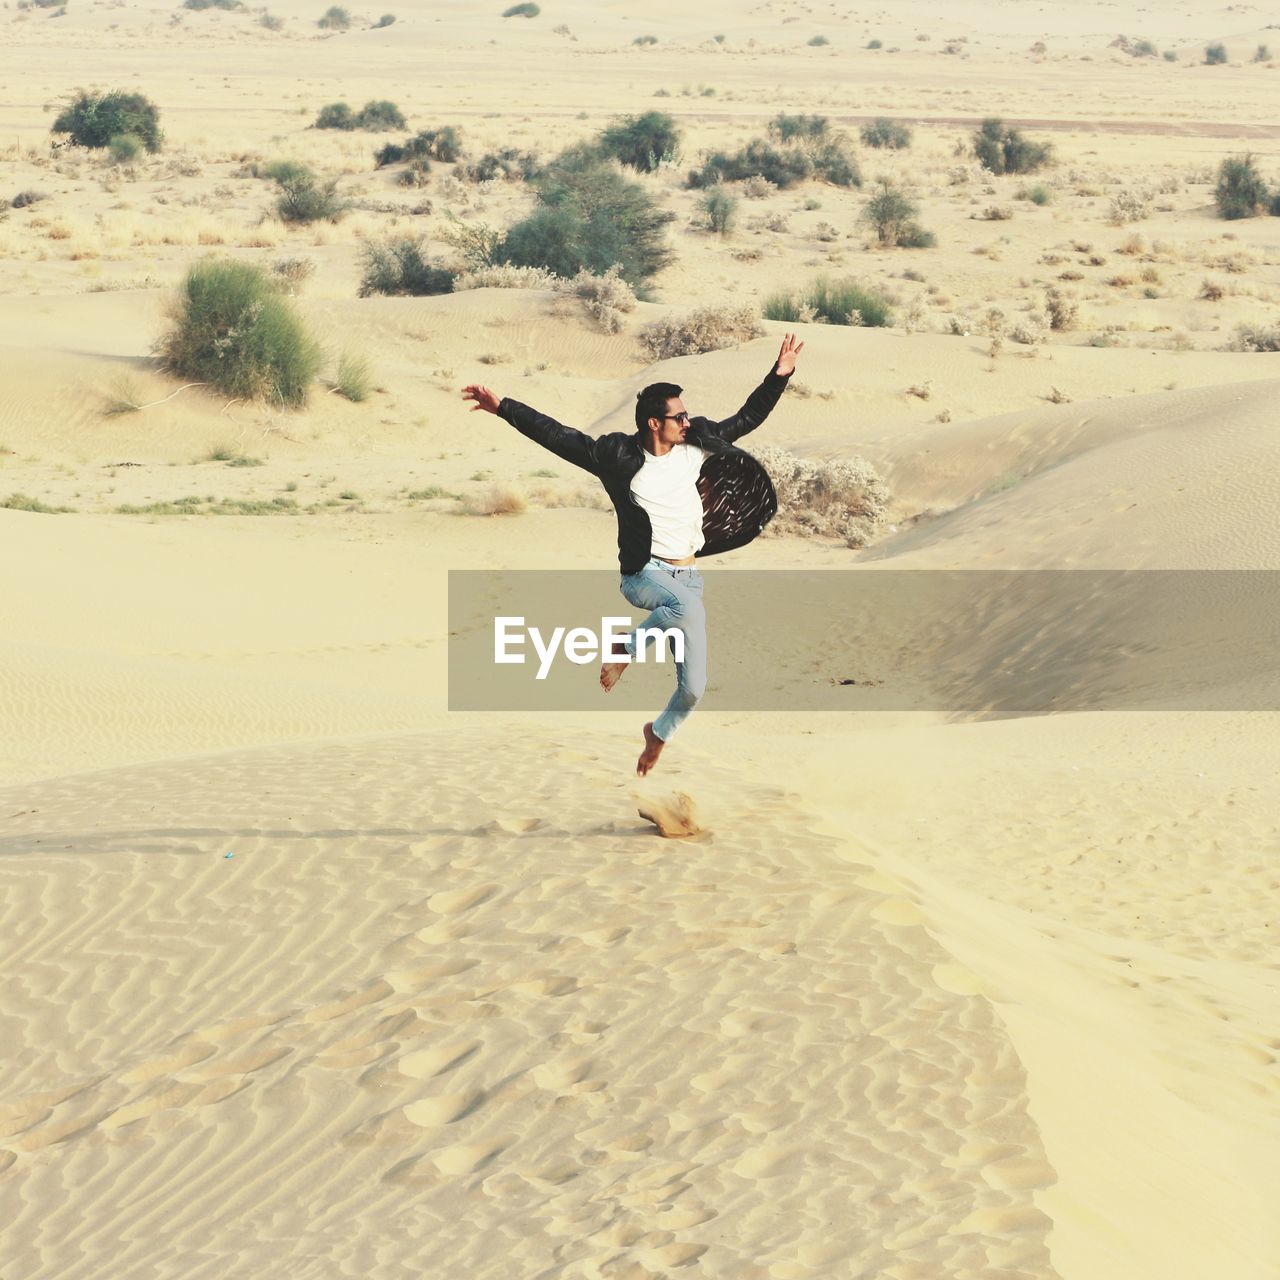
(652, 750)
(611, 672)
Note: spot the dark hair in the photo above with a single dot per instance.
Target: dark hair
(652, 401)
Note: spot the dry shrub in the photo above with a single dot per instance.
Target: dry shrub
(1062, 309)
(506, 277)
(844, 499)
(707, 329)
(1212, 291)
(500, 500)
(1030, 332)
(605, 297)
(1130, 205)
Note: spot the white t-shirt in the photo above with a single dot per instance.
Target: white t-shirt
(667, 488)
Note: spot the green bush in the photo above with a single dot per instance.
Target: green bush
(1038, 194)
(875, 44)
(431, 144)
(830, 302)
(398, 267)
(1262, 54)
(335, 18)
(385, 21)
(271, 22)
(93, 119)
(230, 327)
(354, 377)
(797, 128)
(380, 115)
(886, 133)
(818, 40)
(1241, 191)
(590, 217)
(644, 40)
(720, 209)
(374, 116)
(782, 167)
(209, 4)
(835, 162)
(337, 115)
(1169, 55)
(303, 198)
(522, 11)
(891, 214)
(415, 173)
(125, 147)
(642, 142)
(1003, 149)
(509, 163)
(1215, 54)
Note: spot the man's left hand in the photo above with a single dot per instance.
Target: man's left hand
(787, 356)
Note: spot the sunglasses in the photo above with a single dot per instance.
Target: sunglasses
(676, 417)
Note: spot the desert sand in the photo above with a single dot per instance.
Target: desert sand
(307, 976)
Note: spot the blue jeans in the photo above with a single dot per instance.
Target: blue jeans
(673, 594)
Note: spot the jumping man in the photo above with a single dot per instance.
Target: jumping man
(681, 490)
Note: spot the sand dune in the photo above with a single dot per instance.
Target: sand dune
(307, 976)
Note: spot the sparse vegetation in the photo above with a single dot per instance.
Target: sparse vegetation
(1002, 149)
(605, 298)
(1255, 337)
(1129, 205)
(644, 142)
(642, 41)
(399, 267)
(846, 499)
(1241, 191)
(271, 22)
(25, 502)
(125, 148)
(824, 301)
(809, 151)
(719, 208)
(1038, 194)
(707, 329)
(93, 119)
(510, 164)
(303, 197)
(591, 217)
(886, 133)
(208, 4)
(25, 198)
(335, 18)
(891, 214)
(522, 11)
(292, 273)
(1062, 310)
(231, 328)
(1215, 54)
(354, 377)
(375, 116)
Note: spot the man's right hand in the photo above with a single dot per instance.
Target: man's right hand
(483, 397)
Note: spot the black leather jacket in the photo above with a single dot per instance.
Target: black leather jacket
(738, 499)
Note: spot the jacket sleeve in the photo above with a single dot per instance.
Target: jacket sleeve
(565, 442)
(757, 408)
